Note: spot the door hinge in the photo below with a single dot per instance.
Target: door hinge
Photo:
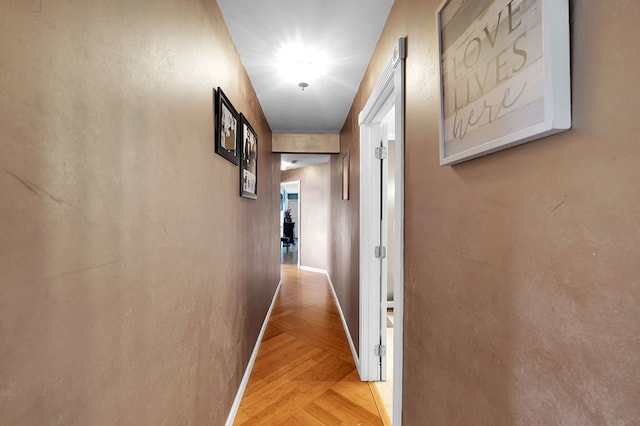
(380, 350)
(381, 153)
(380, 252)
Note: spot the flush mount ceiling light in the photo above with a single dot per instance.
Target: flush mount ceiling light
(300, 64)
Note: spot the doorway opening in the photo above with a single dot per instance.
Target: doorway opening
(290, 223)
(385, 385)
(305, 177)
(382, 233)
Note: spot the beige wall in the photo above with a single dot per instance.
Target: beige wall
(306, 143)
(133, 279)
(344, 226)
(314, 211)
(522, 280)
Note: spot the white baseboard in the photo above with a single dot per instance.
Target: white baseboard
(344, 324)
(310, 269)
(247, 373)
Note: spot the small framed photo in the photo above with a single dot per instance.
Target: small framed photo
(248, 160)
(504, 74)
(227, 122)
(345, 176)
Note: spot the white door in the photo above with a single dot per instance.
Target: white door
(382, 156)
(388, 95)
(373, 257)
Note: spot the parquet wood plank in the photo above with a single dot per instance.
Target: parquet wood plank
(347, 411)
(304, 373)
(305, 419)
(283, 358)
(351, 388)
(263, 392)
(321, 415)
(310, 385)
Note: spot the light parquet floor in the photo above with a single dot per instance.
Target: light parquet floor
(304, 373)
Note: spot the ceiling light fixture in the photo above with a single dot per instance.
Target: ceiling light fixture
(300, 64)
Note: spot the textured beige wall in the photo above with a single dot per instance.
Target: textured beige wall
(306, 142)
(522, 280)
(314, 212)
(344, 225)
(133, 279)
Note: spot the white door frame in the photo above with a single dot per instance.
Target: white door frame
(389, 91)
(298, 184)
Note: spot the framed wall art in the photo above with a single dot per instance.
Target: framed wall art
(345, 176)
(504, 74)
(227, 122)
(248, 160)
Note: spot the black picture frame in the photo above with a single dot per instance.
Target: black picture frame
(248, 160)
(227, 125)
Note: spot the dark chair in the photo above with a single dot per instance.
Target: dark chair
(287, 230)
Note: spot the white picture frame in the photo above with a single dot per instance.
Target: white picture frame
(504, 74)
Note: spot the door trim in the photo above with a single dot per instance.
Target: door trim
(370, 267)
(390, 90)
(298, 184)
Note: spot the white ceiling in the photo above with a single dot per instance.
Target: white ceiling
(345, 30)
(291, 187)
(296, 161)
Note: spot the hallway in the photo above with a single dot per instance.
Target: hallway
(304, 373)
(289, 255)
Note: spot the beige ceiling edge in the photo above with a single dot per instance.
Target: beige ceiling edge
(306, 143)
